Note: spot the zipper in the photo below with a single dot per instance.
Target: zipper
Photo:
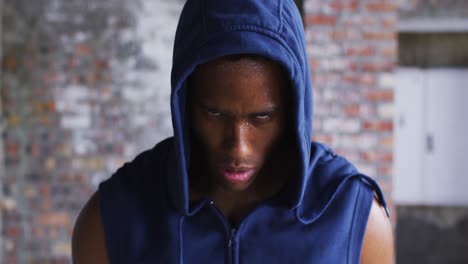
(233, 245)
(232, 235)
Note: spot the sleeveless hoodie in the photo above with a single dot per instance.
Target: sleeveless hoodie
(146, 213)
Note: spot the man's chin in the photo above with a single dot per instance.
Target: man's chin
(235, 186)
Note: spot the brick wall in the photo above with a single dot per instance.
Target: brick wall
(352, 46)
(85, 87)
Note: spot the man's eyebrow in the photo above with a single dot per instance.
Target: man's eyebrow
(267, 110)
(204, 106)
(210, 108)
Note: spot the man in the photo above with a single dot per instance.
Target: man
(240, 181)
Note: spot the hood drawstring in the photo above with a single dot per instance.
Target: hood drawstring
(181, 240)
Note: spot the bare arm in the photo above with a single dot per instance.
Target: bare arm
(88, 243)
(378, 240)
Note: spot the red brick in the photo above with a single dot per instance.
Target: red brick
(342, 35)
(386, 170)
(389, 52)
(43, 120)
(317, 125)
(374, 66)
(323, 138)
(44, 107)
(52, 233)
(312, 20)
(49, 106)
(378, 35)
(55, 219)
(73, 63)
(360, 51)
(13, 120)
(83, 49)
(369, 21)
(80, 178)
(38, 232)
(9, 63)
(46, 203)
(378, 126)
(387, 142)
(379, 95)
(35, 150)
(377, 156)
(50, 77)
(381, 7)
(319, 80)
(101, 64)
(314, 75)
(359, 79)
(44, 190)
(314, 63)
(389, 22)
(341, 6)
(379, 66)
(90, 78)
(352, 110)
(12, 149)
(11, 232)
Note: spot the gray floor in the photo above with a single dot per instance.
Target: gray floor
(431, 235)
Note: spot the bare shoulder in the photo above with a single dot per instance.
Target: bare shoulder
(88, 243)
(378, 244)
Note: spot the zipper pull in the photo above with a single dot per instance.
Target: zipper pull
(232, 239)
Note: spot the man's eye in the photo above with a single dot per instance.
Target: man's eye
(262, 117)
(213, 113)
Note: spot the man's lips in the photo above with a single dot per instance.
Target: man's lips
(237, 175)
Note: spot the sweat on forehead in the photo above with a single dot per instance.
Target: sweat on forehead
(218, 72)
(251, 61)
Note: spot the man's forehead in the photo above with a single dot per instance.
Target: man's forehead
(250, 61)
(264, 78)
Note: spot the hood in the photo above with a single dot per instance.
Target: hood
(209, 29)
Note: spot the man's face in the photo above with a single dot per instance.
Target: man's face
(238, 117)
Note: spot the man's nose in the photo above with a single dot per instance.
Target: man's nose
(236, 139)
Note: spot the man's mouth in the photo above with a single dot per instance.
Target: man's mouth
(237, 175)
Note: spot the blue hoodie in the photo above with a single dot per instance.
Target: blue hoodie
(146, 213)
